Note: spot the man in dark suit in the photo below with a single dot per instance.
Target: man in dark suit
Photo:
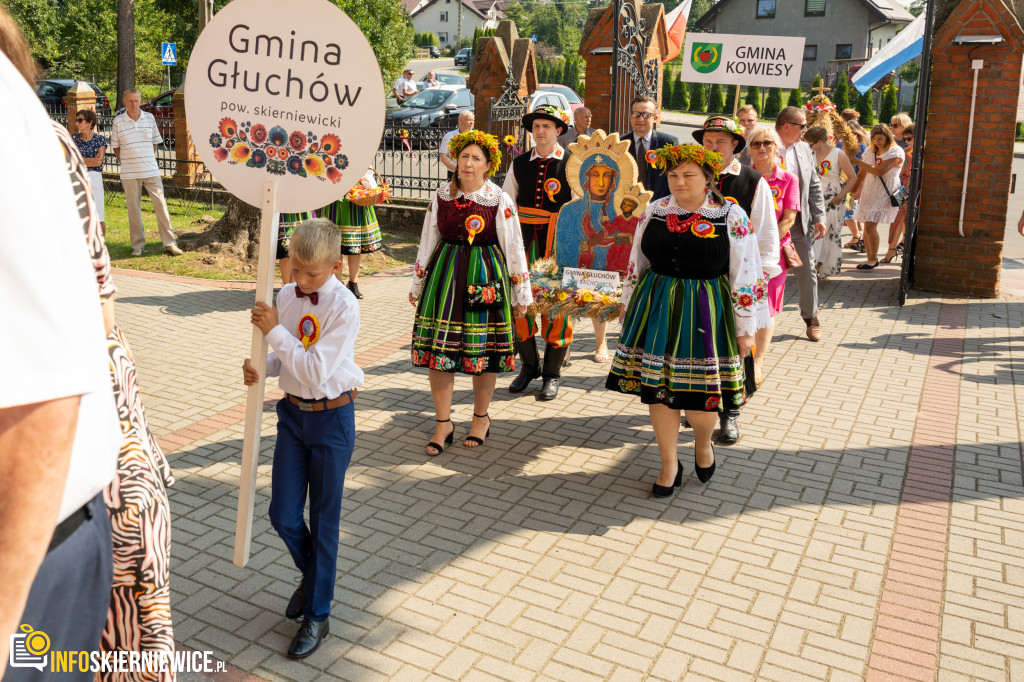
(643, 114)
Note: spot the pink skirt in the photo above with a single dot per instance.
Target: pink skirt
(777, 284)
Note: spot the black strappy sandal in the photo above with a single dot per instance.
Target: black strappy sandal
(449, 439)
(474, 439)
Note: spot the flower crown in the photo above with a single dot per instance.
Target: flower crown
(667, 158)
(489, 143)
(552, 110)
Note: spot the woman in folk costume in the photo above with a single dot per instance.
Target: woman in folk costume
(470, 278)
(691, 298)
(360, 232)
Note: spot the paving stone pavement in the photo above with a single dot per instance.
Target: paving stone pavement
(829, 546)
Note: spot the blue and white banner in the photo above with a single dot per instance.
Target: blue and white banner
(907, 44)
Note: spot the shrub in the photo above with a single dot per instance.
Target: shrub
(773, 105)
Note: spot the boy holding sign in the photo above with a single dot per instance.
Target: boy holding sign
(313, 336)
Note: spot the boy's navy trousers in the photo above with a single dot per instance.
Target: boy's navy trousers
(313, 452)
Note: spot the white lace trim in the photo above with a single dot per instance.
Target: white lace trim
(668, 205)
(488, 195)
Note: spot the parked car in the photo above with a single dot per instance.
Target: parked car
(435, 108)
(463, 57)
(574, 100)
(52, 93)
(162, 108)
(540, 98)
(435, 51)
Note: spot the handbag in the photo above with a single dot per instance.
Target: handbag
(485, 296)
(791, 256)
(897, 197)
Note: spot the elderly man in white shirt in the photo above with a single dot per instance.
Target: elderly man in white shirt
(134, 138)
(405, 86)
(466, 123)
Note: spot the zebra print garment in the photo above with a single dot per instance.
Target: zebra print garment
(139, 618)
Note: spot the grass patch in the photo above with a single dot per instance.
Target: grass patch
(399, 246)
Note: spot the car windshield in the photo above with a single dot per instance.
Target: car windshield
(451, 78)
(428, 99)
(464, 50)
(566, 92)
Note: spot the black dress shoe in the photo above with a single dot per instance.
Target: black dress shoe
(667, 490)
(730, 431)
(704, 474)
(549, 391)
(307, 640)
(296, 603)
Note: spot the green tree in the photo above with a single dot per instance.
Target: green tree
(698, 97)
(698, 9)
(841, 97)
(730, 99)
(716, 102)
(867, 110)
(890, 105)
(773, 105)
(680, 96)
(916, 7)
(556, 72)
(668, 94)
(516, 13)
(753, 97)
(666, 85)
(385, 23)
(796, 98)
(1020, 131)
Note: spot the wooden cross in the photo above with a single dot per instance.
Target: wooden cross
(821, 89)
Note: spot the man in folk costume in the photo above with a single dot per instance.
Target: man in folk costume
(748, 189)
(537, 183)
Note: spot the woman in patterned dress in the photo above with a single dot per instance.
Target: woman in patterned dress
(881, 164)
(93, 147)
(286, 224)
(831, 164)
(691, 299)
(360, 232)
(139, 618)
(470, 275)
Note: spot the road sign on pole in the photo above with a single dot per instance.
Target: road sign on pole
(169, 54)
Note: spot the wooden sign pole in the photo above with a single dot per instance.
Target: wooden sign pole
(258, 358)
(736, 102)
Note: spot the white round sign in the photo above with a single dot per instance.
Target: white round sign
(290, 92)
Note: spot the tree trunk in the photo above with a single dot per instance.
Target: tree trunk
(125, 48)
(237, 231)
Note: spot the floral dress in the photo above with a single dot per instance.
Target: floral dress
(693, 285)
(874, 205)
(830, 251)
(471, 253)
(908, 162)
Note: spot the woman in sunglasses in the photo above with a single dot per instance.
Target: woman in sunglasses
(900, 223)
(93, 147)
(880, 171)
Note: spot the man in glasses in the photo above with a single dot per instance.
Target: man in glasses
(405, 86)
(797, 158)
(643, 114)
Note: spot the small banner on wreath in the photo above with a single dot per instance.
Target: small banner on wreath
(596, 280)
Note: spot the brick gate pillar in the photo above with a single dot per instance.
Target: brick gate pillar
(944, 261)
(79, 96)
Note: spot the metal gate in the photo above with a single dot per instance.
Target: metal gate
(632, 73)
(506, 118)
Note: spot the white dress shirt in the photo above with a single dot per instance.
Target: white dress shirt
(790, 161)
(328, 367)
(511, 185)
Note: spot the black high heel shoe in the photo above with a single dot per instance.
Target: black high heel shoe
(704, 474)
(474, 439)
(667, 490)
(447, 441)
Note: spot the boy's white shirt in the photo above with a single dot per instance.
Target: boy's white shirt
(327, 368)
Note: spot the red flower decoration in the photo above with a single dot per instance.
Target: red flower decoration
(713, 403)
(220, 154)
(258, 133)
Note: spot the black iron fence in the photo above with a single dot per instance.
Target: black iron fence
(407, 158)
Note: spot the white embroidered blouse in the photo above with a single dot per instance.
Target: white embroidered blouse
(747, 284)
(510, 238)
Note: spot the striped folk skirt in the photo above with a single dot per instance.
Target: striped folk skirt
(360, 232)
(448, 338)
(678, 345)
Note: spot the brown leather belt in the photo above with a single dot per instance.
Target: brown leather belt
(322, 404)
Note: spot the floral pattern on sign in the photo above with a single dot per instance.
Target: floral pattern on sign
(279, 152)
